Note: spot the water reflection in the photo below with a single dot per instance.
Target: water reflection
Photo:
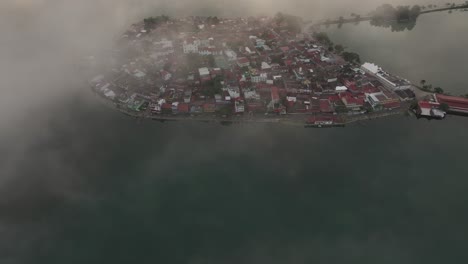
(395, 26)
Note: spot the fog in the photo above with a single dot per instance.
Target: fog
(41, 44)
(42, 40)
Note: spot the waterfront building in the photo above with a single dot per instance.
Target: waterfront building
(455, 104)
(239, 106)
(389, 81)
(351, 102)
(382, 100)
(325, 106)
(430, 109)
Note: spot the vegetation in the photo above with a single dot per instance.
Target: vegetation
(277, 59)
(351, 57)
(395, 26)
(225, 111)
(153, 22)
(339, 48)
(444, 107)
(212, 20)
(289, 22)
(341, 109)
(213, 87)
(322, 37)
(388, 12)
(414, 105)
(439, 90)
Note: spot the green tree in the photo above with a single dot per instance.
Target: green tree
(351, 57)
(339, 48)
(322, 37)
(212, 87)
(211, 61)
(422, 82)
(225, 111)
(444, 107)
(438, 90)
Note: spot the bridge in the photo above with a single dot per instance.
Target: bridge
(368, 18)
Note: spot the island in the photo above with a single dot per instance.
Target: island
(256, 69)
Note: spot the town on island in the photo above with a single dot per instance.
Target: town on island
(256, 69)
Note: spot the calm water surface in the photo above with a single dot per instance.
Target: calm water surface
(435, 49)
(99, 187)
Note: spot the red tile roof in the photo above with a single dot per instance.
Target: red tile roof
(453, 101)
(243, 60)
(166, 106)
(183, 108)
(392, 105)
(426, 104)
(325, 106)
(349, 99)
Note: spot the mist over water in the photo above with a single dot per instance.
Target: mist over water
(80, 183)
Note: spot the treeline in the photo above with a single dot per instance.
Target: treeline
(399, 13)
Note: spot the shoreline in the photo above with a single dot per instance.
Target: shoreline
(287, 119)
(309, 76)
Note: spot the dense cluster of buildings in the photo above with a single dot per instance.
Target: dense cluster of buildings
(241, 67)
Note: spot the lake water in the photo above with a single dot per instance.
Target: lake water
(99, 187)
(434, 50)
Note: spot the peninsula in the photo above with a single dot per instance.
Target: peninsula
(262, 70)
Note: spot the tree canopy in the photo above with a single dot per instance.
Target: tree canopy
(399, 13)
(290, 22)
(322, 37)
(351, 57)
(153, 22)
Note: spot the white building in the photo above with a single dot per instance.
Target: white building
(392, 82)
(389, 81)
(260, 42)
(262, 77)
(251, 94)
(204, 72)
(234, 92)
(370, 68)
(249, 51)
(265, 66)
(340, 89)
(139, 74)
(231, 55)
(191, 46)
(164, 44)
(239, 106)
